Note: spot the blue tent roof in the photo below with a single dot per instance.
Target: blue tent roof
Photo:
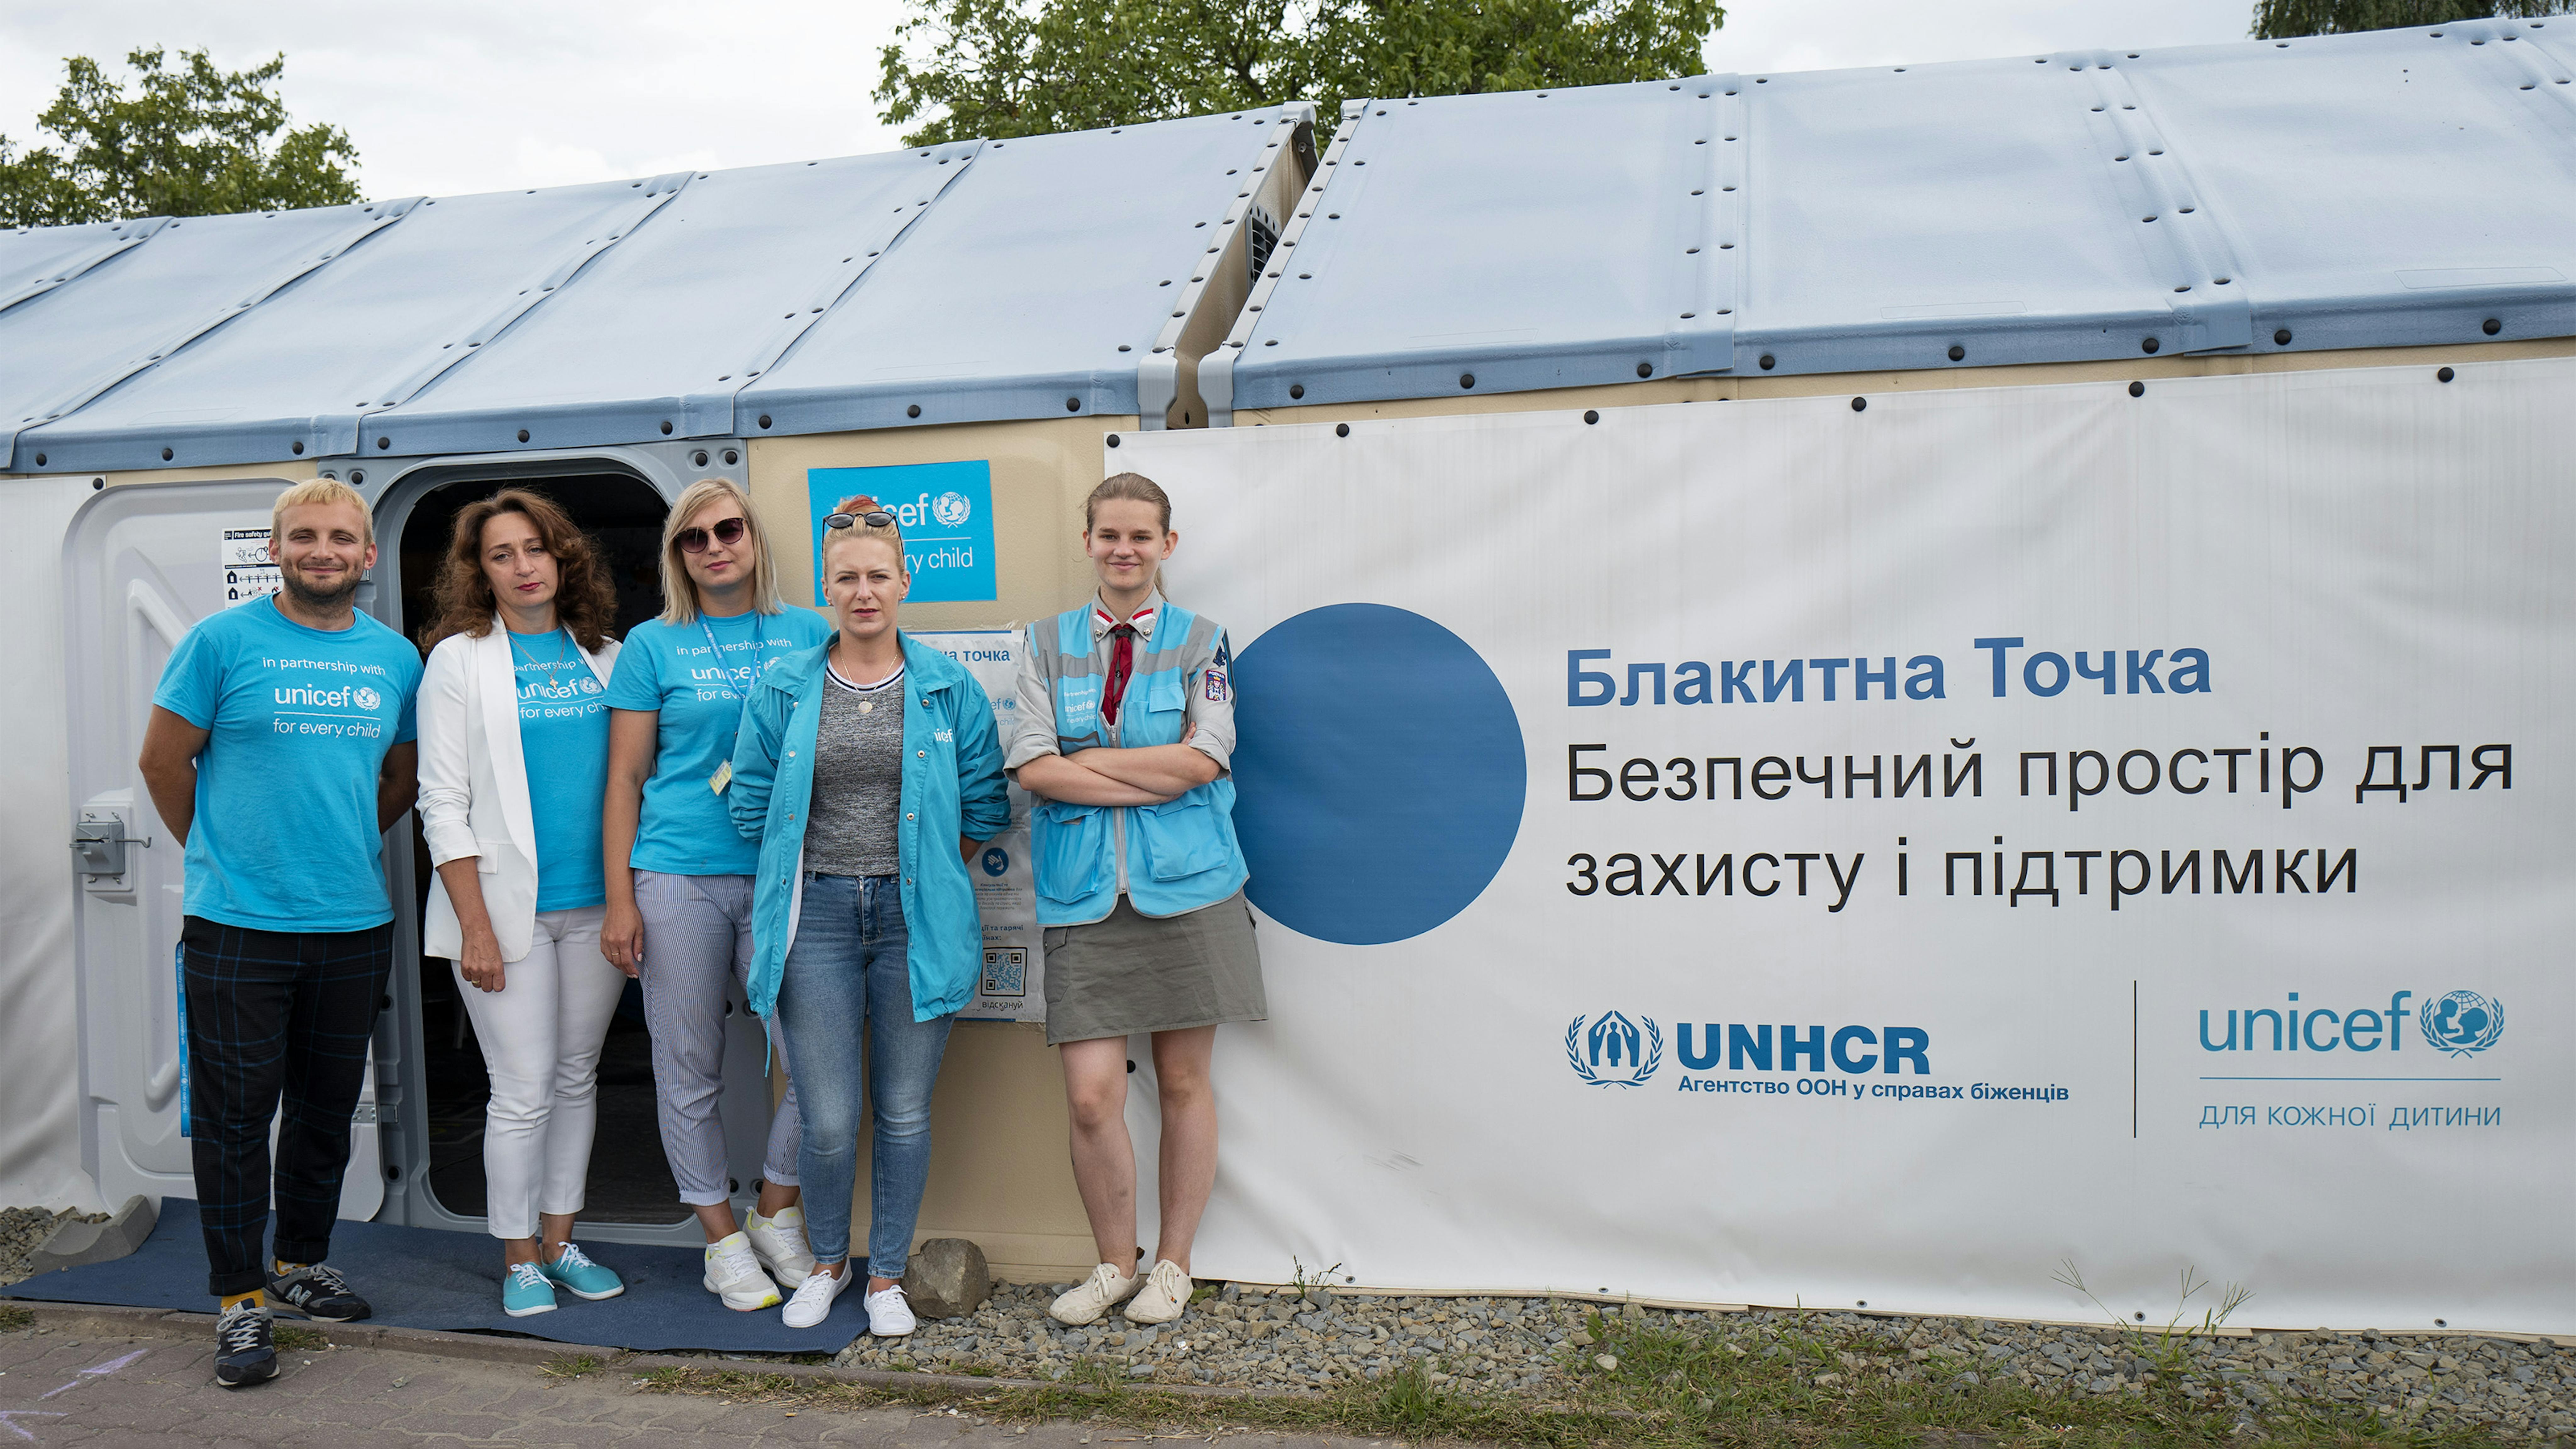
(2385, 189)
(976, 281)
(2394, 188)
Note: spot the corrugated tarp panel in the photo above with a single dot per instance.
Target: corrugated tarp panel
(1030, 290)
(2392, 188)
(657, 334)
(131, 293)
(296, 373)
(2395, 188)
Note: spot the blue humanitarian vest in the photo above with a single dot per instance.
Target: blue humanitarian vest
(1181, 854)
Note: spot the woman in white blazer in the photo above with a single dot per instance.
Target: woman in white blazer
(513, 720)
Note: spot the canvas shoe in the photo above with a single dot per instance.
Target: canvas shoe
(1166, 1293)
(734, 1275)
(889, 1316)
(575, 1273)
(1093, 1296)
(813, 1301)
(779, 1243)
(245, 1350)
(526, 1291)
(315, 1291)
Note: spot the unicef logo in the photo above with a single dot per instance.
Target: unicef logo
(590, 684)
(2463, 1022)
(951, 509)
(366, 698)
(1611, 1045)
(997, 861)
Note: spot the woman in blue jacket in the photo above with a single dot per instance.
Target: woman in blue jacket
(870, 771)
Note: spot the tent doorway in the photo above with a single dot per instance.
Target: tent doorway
(629, 1180)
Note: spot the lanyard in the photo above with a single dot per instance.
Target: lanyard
(742, 685)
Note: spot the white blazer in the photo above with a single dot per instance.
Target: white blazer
(474, 786)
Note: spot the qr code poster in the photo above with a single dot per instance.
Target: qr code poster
(1013, 987)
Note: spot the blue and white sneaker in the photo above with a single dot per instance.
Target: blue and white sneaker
(575, 1273)
(526, 1291)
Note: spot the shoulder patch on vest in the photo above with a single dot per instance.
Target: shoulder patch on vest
(1217, 691)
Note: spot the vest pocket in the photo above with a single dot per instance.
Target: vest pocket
(1072, 850)
(1181, 837)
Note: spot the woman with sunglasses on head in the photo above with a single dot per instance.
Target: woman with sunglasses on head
(513, 762)
(870, 772)
(1124, 727)
(679, 876)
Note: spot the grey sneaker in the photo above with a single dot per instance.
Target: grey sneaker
(245, 1350)
(315, 1291)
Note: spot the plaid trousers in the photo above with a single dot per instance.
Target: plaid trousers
(274, 1014)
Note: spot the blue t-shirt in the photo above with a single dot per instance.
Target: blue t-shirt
(686, 829)
(563, 737)
(299, 721)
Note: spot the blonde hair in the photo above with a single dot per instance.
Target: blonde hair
(1131, 487)
(679, 591)
(891, 533)
(321, 490)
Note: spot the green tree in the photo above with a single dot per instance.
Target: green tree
(2282, 19)
(966, 68)
(189, 140)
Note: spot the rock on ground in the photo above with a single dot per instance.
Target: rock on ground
(947, 1278)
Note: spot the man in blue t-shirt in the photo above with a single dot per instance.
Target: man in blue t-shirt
(279, 752)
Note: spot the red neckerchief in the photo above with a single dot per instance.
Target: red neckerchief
(1122, 656)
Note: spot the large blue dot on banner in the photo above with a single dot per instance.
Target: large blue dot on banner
(1378, 773)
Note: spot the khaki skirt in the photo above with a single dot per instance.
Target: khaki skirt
(1131, 973)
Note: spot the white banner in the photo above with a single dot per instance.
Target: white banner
(1013, 986)
(1878, 852)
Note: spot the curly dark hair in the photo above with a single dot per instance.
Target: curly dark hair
(585, 601)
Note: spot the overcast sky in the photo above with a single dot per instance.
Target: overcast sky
(478, 95)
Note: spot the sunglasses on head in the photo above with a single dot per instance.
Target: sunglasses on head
(873, 518)
(727, 531)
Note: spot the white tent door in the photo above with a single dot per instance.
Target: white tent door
(141, 565)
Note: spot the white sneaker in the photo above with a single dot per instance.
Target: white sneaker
(1093, 1296)
(1165, 1294)
(813, 1301)
(779, 1243)
(888, 1315)
(734, 1275)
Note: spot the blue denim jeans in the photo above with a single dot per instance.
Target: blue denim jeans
(846, 982)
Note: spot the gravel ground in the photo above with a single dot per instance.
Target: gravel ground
(24, 1230)
(1254, 1337)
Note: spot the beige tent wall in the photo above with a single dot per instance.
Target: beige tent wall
(999, 1175)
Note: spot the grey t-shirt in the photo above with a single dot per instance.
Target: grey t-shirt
(858, 779)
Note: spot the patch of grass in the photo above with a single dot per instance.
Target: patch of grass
(569, 1365)
(13, 1318)
(1797, 1383)
(288, 1335)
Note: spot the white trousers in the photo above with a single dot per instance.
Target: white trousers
(541, 1035)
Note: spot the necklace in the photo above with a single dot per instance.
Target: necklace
(530, 659)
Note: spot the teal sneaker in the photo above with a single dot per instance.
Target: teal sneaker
(574, 1272)
(527, 1290)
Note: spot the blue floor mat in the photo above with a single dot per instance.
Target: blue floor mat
(425, 1278)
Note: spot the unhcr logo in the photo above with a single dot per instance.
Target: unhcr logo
(1604, 1047)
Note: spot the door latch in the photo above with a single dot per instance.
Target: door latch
(99, 846)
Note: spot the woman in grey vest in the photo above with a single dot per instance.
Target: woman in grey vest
(1125, 725)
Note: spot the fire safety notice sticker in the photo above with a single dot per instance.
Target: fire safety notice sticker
(248, 573)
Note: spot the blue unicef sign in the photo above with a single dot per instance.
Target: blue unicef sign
(946, 510)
